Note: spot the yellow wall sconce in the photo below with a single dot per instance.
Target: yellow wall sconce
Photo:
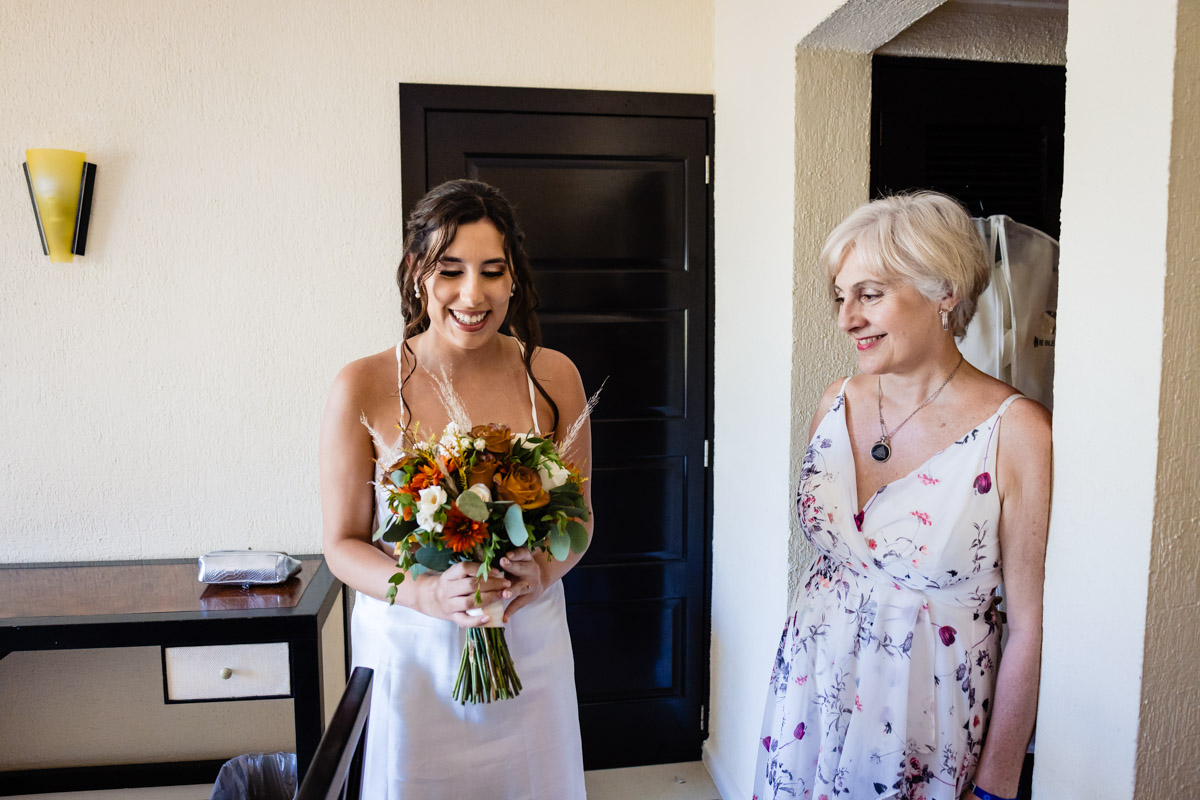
(60, 187)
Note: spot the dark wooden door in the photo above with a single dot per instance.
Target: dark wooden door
(613, 192)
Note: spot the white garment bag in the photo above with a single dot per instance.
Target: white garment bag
(1011, 336)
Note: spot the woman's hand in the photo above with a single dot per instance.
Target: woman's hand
(453, 592)
(528, 583)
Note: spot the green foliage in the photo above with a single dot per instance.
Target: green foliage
(472, 506)
(559, 543)
(399, 530)
(383, 529)
(514, 524)
(578, 536)
(434, 558)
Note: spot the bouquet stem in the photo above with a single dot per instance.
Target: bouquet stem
(486, 671)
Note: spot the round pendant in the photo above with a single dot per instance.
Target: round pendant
(881, 452)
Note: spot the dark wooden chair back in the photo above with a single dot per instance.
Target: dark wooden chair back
(337, 766)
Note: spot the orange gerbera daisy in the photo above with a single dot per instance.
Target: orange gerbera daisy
(461, 533)
(426, 475)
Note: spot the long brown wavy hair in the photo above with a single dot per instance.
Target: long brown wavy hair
(431, 228)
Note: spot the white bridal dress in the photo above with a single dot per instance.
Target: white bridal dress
(422, 744)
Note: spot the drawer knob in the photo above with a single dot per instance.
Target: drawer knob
(226, 673)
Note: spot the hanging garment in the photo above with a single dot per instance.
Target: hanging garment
(1011, 336)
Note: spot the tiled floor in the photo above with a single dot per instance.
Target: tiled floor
(687, 781)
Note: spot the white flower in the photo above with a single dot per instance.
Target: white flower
(428, 502)
(480, 444)
(553, 475)
(450, 442)
(485, 494)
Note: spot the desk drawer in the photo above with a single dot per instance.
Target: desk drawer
(226, 672)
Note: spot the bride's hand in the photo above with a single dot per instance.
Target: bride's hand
(527, 581)
(454, 592)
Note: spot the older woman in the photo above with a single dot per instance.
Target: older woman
(925, 484)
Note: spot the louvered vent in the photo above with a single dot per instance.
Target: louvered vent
(999, 151)
(991, 169)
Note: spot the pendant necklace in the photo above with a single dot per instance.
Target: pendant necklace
(881, 451)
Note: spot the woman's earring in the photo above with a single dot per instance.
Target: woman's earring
(417, 293)
(512, 290)
(945, 319)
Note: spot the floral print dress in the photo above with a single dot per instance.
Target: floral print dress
(883, 682)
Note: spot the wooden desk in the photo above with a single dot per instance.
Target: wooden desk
(160, 602)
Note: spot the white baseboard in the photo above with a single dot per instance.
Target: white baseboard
(721, 777)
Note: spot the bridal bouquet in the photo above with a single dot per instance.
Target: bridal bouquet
(472, 495)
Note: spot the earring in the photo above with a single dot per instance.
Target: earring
(416, 292)
(512, 290)
(945, 319)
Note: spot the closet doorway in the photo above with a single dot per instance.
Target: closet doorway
(986, 133)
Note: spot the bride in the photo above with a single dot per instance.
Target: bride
(464, 273)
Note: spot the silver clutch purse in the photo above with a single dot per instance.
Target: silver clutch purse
(246, 567)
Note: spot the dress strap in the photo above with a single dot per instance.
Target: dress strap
(1007, 402)
(537, 429)
(842, 391)
(989, 453)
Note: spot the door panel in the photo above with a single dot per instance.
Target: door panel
(611, 191)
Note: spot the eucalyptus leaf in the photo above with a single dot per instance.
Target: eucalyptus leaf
(397, 476)
(434, 559)
(383, 529)
(417, 569)
(472, 506)
(575, 511)
(560, 544)
(397, 579)
(514, 524)
(578, 536)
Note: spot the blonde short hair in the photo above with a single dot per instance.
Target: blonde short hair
(925, 239)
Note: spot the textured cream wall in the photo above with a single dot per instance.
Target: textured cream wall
(1108, 375)
(1169, 734)
(992, 32)
(162, 394)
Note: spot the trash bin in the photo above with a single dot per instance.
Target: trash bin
(257, 776)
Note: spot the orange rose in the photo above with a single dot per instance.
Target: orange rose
(483, 471)
(496, 438)
(522, 486)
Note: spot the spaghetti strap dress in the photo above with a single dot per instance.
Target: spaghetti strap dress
(883, 681)
(424, 745)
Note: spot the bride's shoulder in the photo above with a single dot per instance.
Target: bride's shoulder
(551, 365)
(367, 376)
